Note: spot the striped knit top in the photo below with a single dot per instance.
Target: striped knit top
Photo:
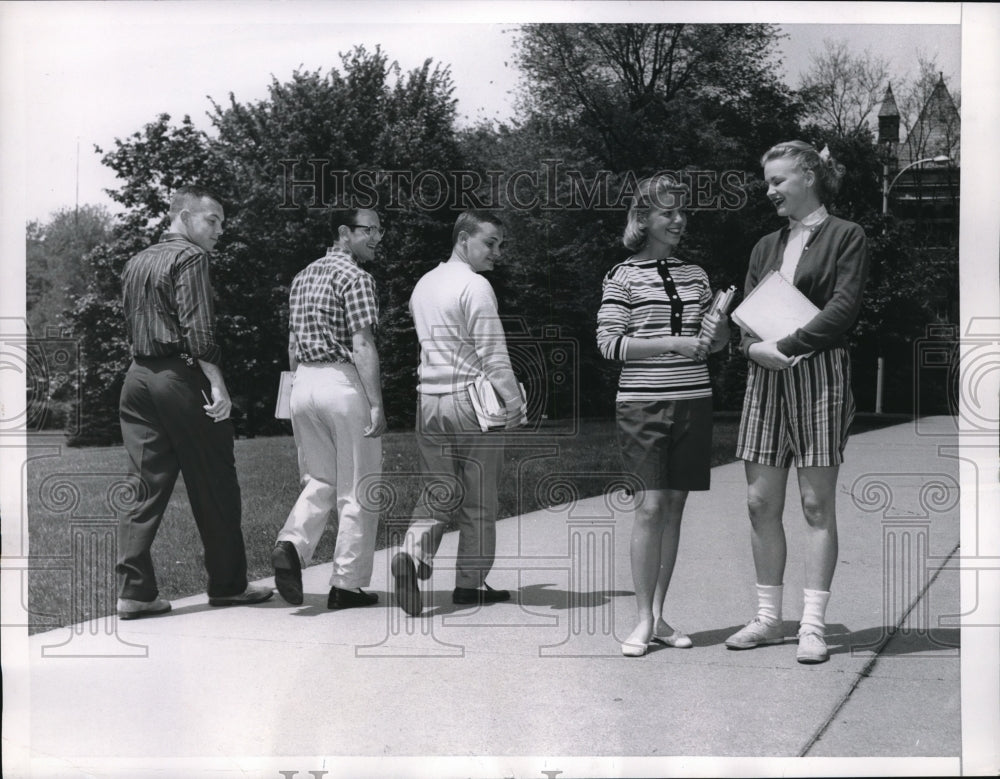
(646, 298)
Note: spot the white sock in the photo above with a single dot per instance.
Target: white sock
(769, 603)
(814, 610)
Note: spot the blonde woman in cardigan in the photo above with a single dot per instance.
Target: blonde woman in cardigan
(798, 405)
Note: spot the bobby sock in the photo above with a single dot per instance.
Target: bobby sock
(814, 611)
(769, 603)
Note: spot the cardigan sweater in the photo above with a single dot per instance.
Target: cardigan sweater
(831, 273)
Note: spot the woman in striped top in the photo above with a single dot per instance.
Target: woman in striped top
(653, 319)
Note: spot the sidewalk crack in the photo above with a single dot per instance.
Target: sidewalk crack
(865, 672)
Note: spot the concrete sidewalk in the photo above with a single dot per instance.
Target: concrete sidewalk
(539, 684)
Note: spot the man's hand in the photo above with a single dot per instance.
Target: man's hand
(514, 413)
(378, 423)
(767, 355)
(221, 404)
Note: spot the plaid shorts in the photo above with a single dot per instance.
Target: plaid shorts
(667, 444)
(801, 414)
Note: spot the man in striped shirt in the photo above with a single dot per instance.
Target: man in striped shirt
(174, 411)
(337, 414)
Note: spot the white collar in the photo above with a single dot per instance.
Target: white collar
(810, 220)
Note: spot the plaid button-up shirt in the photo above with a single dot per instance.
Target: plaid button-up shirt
(331, 299)
(168, 301)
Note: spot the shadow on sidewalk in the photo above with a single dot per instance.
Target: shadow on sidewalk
(535, 595)
(888, 642)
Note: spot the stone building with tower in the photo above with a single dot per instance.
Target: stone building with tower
(921, 191)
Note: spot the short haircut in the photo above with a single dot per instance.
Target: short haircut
(188, 197)
(659, 191)
(343, 216)
(827, 170)
(470, 221)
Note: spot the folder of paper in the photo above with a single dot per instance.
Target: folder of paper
(283, 408)
(489, 408)
(774, 309)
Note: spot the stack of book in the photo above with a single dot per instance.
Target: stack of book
(489, 408)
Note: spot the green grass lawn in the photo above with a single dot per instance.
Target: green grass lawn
(71, 499)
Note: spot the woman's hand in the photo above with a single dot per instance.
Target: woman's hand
(709, 325)
(767, 355)
(696, 348)
(715, 331)
(692, 347)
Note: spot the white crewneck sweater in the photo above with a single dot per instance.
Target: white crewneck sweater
(455, 314)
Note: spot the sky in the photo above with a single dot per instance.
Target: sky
(88, 72)
(93, 72)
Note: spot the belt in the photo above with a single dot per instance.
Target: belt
(178, 356)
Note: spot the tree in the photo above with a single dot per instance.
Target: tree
(841, 90)
(640, 92)
(327, 128)
(602, 106)
(56, 262)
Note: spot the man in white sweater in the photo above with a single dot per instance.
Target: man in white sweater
(461, 336)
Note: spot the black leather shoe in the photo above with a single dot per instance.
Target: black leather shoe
(407, 591)
(287, 572)
(466, 595)
(349, 599)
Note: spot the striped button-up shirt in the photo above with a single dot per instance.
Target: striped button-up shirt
(169, 303)
(330, 300)
(646, 298)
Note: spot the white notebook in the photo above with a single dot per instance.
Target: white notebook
(283, 408)
(774, 309)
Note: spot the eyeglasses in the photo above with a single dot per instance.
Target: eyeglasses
(370, 230)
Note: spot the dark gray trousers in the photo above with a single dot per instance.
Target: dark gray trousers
(166, 432)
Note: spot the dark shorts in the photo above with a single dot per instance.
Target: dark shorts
(667, 444)
(799, 415)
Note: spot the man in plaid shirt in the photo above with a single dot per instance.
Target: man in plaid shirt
(337, 414)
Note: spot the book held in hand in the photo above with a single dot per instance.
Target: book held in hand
(489, 408)
(283, 408)
(721, 302)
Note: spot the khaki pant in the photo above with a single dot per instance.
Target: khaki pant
(461, 474)
(329, 414)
